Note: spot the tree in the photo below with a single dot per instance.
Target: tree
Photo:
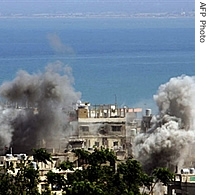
(65, 165)
(41, 155)
(102, 156)
(7, 185)
(56, 180)
(82, 156)
(128, 179)
(31, 178)
(98, 173)
(24, 182)
(99, 176)
(132, 175)
(163, 175)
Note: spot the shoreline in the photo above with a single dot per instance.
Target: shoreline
(103, 15)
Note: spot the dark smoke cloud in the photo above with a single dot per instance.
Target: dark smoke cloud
(170, 141)
(39, 105)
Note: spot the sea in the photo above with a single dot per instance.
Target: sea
(113, 60)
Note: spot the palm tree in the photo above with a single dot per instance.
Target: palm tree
(66, 165)
(41, 155)
(163, 175)
(83, 156)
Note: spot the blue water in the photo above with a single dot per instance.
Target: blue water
(123, 59)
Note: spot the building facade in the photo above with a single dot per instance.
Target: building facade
(104, 126)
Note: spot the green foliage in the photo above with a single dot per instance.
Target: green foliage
(82, 156)
(65, 165)
(84, 187)
(24, 182)
(132, 175)
(126, 180)
(6, 184)
(81, 153)
(98, 177)
(56, 180)
(41, 155)
(163, 175)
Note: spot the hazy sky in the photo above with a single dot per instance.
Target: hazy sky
(97, 6)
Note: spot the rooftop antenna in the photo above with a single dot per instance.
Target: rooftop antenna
(144, 109)
(115, 100)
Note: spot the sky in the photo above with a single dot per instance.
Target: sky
(95, 6)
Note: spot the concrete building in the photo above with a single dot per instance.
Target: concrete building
(146, 120)
(184, 184)
(16, 160)
(104, 126)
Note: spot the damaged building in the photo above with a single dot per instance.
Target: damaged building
(103, 126)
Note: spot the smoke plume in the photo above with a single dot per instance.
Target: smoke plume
(37, 108)
(57, 45)
(170, 141)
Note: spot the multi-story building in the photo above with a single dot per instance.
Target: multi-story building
(19, 160)
(183, 184)
(104, 126)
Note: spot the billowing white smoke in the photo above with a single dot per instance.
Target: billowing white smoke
(6, 129)
(51, 93)
(170, 141)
